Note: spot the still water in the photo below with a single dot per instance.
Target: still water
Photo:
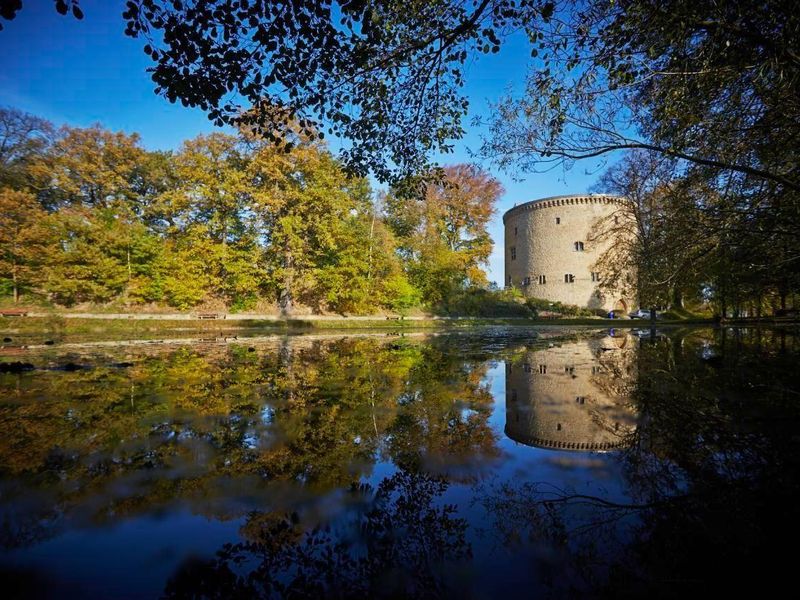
(501, 463)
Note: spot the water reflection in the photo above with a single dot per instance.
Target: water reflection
(377, 467)
(221, 429)
(573, 395)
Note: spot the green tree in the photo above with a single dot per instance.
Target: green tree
(207, 214)
(323, 247)
(442, 233)
(86, 268)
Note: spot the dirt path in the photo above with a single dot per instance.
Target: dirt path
(239, 317)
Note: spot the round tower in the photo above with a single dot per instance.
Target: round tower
(553, 245)
(574, 396)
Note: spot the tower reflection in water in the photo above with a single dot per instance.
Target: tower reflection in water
(574, 396)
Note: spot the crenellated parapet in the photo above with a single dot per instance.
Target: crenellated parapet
(556, 201)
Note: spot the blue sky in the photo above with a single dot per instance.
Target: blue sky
(85, 72)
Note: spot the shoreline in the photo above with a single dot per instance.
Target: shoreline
(60, 330)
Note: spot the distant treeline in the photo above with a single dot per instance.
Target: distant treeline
(90, 216)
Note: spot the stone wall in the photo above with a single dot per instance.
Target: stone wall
(540, 240)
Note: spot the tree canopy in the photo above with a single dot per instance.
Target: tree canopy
(714, 84)
(388, 76)
(90, 216)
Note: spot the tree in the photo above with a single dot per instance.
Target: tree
(321, 242)
(714, 85)
(91, 167)
(385, 74)
(442, 233)
(388, 75)
(86, 268)
(23, 137)
(208, 208)
(25, 240)
(10, 8)
(661, 234)
(227, 219)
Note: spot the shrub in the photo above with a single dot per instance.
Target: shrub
(568, 310)
(479, 302)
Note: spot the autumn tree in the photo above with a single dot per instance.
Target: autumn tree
(234, 220)
(92, 167)
(25, 240)
(442, 232)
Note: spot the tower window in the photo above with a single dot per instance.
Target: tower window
(578, 246)
(542, 279)
(569, 278)
(513, 253)
(558, 220)
(515, 232)
(526, 281)
(595, 276)
(580, 399)
(543, 369)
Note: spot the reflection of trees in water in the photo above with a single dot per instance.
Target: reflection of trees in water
(208, 426)
(397, 543)
(713, 477)
(711, 468)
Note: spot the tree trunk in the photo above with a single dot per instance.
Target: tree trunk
(371, 232)
(285, 298)
(677, 297)
(16, 286)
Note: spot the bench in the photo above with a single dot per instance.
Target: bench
(208, 316)
(548, 314)
(14, 312)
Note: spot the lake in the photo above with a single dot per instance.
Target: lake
(511, 462)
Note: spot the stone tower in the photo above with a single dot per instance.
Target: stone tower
(549, 255)
(574, 396)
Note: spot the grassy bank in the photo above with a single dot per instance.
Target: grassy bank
(38, 330)
(56, 329)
